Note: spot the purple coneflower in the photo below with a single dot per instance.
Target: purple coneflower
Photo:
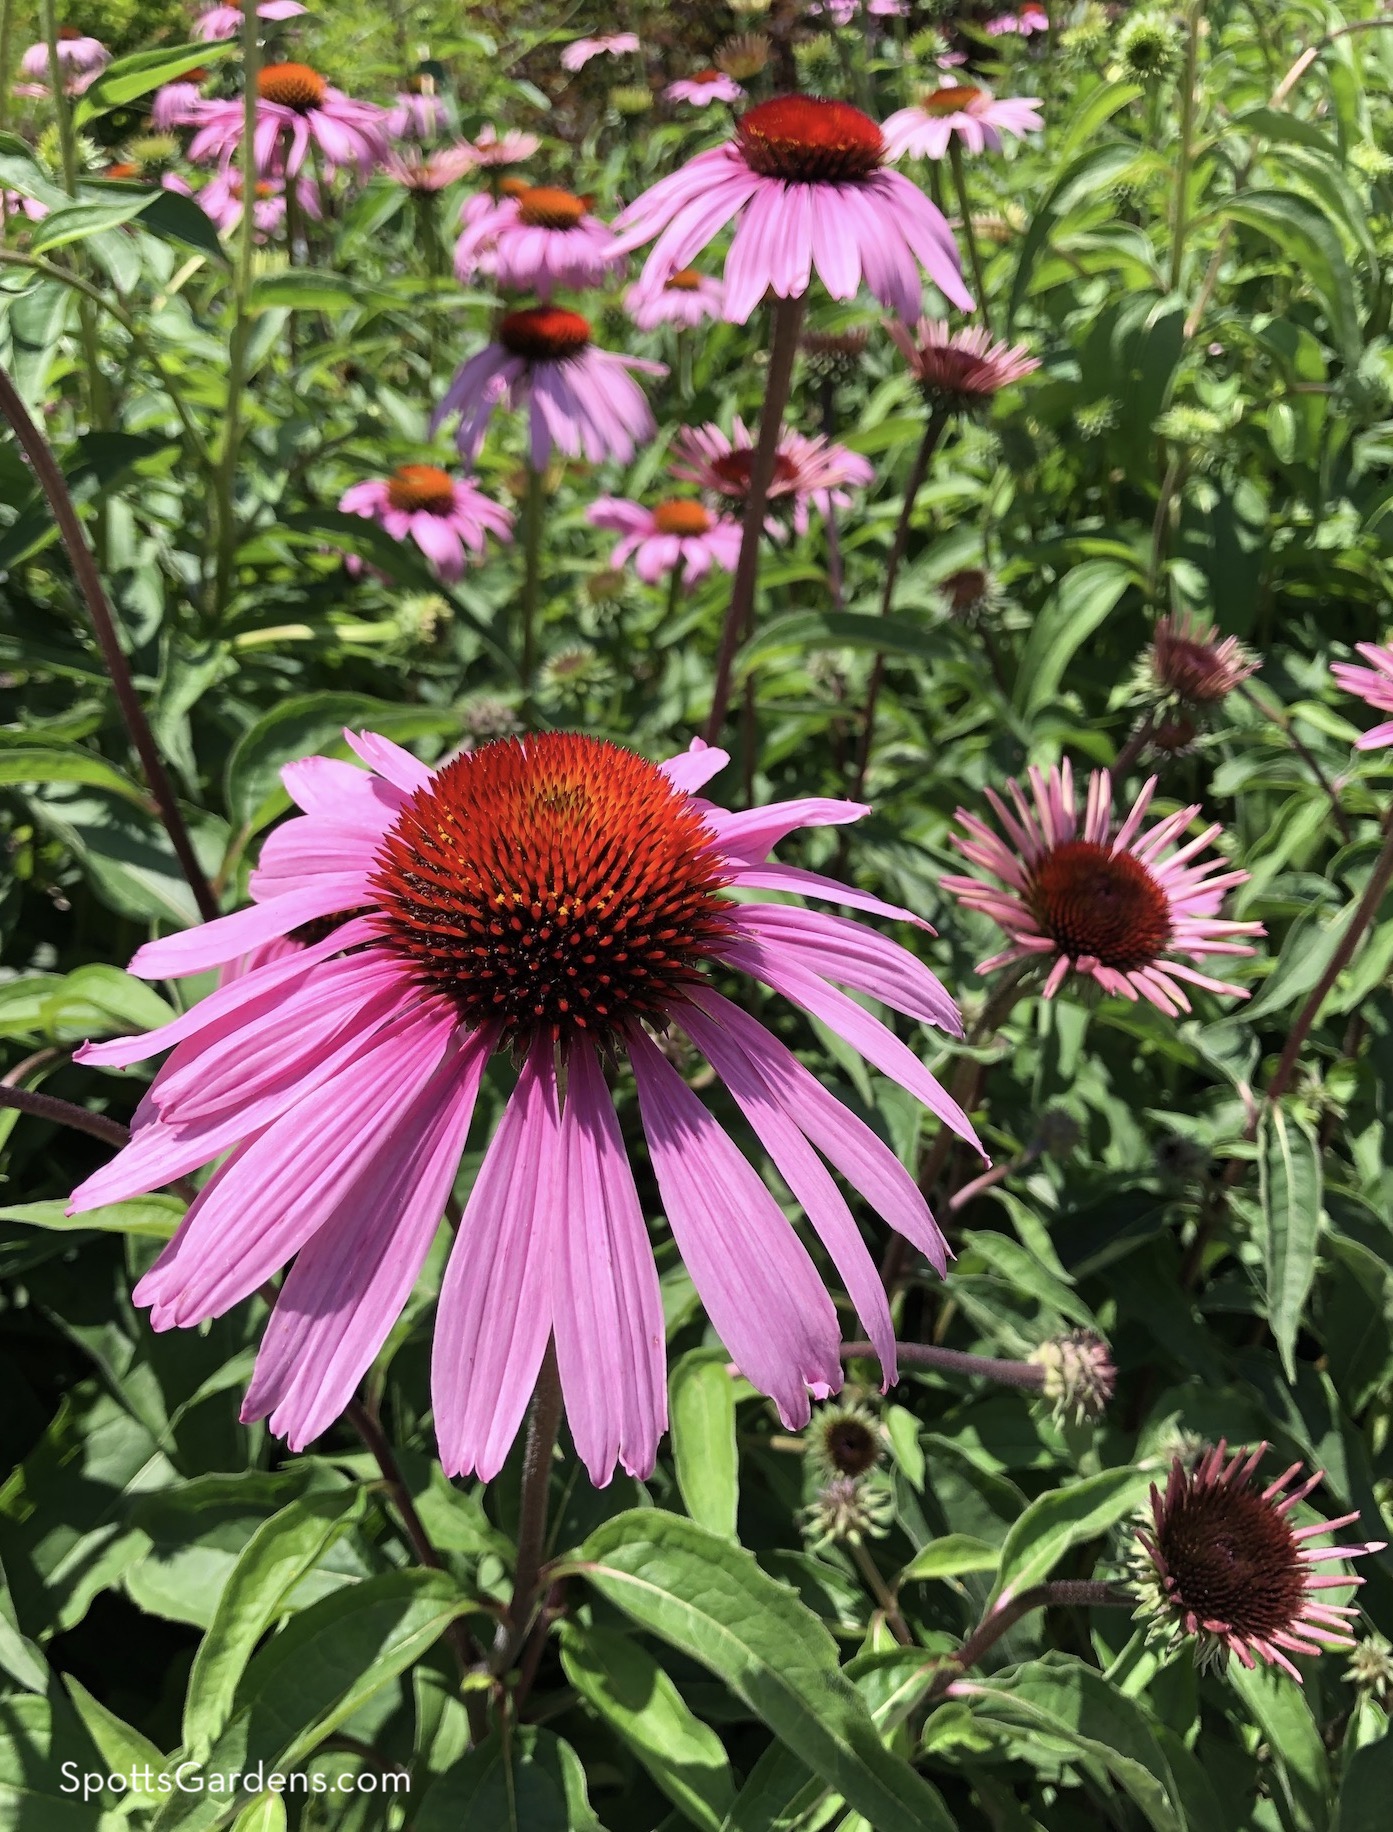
(556, 899)
(417, 114)
(296, 109)
(176, 104)
(1116, 907)
(580, 399)
(447, 517)
(705, 87)
(1029, 20)
(685, 299)
(536, 240)
(226, 21)
(808, 182)
(12, 203)
(978, 120)
(1373, 685)
(959, 372)
(78, 55)
(1190, 664)
(491, 148)
(579, 52)
(1223, 1564)
(815, 471)
(676, 536)
(411, 166)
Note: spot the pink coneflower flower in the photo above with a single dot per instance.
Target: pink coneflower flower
(705, 87)
(443, 515)
(226, 21)
(78, 56)
(685, 299)
(417, 115)
(544, 896)
(978, 120)
(1029, 20)
(580, 400)
(1192, 665)
(580, 51)
(807, 182)
(960, 372)
(221, 201)
(814, 472)
(1373, 685)
(491, 148)
(676, 535)
(412, 166)
(1115, 907)
(536, 240)
(1222, 1564)
(12, 203)
(296, 109)
(176, 104)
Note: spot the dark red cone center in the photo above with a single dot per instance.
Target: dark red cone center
(1094, 902)
(808, 140)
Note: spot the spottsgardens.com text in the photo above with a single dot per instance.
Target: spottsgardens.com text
(193, 1778)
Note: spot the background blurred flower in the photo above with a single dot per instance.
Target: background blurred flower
(685, 299)
(296, 109)
(815, 471)
(447, 517)
(977, 118)
(580, 400)
(705, 87)
(579, 52)
(674, 535)
(536, 240)
(418, 114)
(1115, 907)
(959, 372)
(226, 21)
(1373, 685)
(78, 55)
(175, 104)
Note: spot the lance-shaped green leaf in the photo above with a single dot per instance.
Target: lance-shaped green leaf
(534, 1783)
(1282, 1712)
(1062, 1518)
(1066, 1702)
(1289, 1190)
(701, 1404)
(710, 1599)
(622, 1682)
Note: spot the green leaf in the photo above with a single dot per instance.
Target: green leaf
(620, 1680)
(1289, 1189)
(1304, 234)
(711, 1600)
(1070, 615)
(1083, 182)
(1283, 1714)
(75, 222)
(1059, 1698)
(1367, 1788)
(302, 289)
(534, 1784)
(48, 763)
(326, 1664)
(275, 1559)
(1062, 1518)
(701, 1403)
(124, 1750)
(144, 1217)
(128, 77)
(312, 724)
(800, 631)
(264, 1815)
(36, 1740)
(951, 1556)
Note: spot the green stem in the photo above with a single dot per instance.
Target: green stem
(531, 577)
(543, 1423)
(955, 155)
(739, 621)
(225, 518)
(1185, 163)
(7, 21)
(674, 592)
(1076, 1592)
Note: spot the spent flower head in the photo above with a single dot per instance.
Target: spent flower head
(848, 1511)
(1370, 1669)
(1080, 1378)
(1148, 47)
(1221, 1564)
(845, 1439)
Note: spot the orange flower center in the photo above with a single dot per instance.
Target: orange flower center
(514, 187)
(414, 488)
(542, 207)
(292, 85)
(681, 516)
(949, 101)
(705, 76)
(809, 140)
(685, 280)
(544, 333)
(1091, 901)
(733, 469)
(556, 885)
(68, 32)
(123, 169)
